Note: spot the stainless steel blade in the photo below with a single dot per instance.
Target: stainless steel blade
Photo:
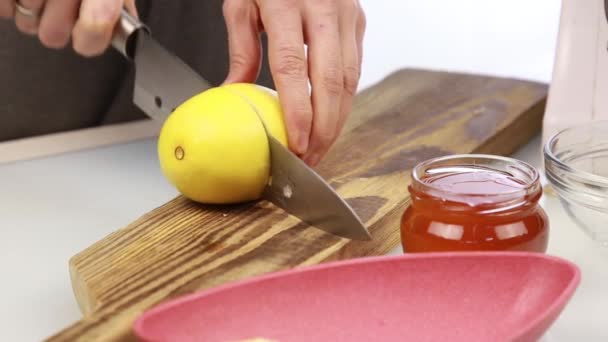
(163, 82)
(302, 192)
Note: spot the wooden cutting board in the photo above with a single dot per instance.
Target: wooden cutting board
(181, 247)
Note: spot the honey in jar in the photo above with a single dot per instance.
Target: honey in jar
(474, 202)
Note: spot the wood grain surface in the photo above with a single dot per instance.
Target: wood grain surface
(181, 247)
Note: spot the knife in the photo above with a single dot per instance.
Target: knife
(163, 82)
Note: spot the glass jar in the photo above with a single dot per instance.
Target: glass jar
(474, 202)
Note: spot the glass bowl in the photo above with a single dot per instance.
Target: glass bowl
(576, 165)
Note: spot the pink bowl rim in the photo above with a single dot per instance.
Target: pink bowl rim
(562, 299)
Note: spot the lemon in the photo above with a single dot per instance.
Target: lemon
(214, 149)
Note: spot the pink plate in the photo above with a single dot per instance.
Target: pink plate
(469, 296)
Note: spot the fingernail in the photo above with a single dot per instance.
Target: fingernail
(314, 159)
(228, 80)
(302, 143)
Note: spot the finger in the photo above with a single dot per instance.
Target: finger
(361, 26)
(93, 30)
(7, 9)
(326, 76)
(57, 22)
(351, 38)
(244, 44)
(26, 23)
(287, 60)
(131, 8)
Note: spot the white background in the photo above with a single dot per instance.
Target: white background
(508, 38)
(52, 208)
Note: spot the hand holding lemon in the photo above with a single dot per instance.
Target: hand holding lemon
(314, 52)
(214, 148)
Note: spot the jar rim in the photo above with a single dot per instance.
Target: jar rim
(520, 170)
(553, 160)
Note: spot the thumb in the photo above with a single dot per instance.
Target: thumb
(243, 40)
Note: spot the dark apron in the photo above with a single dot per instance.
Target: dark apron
(45, 91)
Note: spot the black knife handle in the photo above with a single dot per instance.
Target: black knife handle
(126, 33)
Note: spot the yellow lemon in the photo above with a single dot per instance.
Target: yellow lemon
(214, 149)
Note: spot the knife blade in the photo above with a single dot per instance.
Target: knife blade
(163, 82)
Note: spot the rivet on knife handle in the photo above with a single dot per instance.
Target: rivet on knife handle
(124, 35)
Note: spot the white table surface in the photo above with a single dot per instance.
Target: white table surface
(54, 207)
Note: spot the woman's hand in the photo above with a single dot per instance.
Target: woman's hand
(90, 23)
(333, 33)
(331, 29)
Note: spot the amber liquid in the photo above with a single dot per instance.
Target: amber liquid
(432, 224)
